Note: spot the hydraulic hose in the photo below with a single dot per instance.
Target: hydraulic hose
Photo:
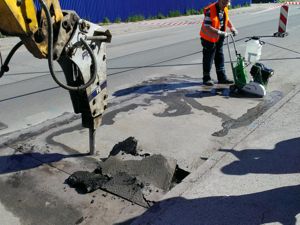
(50, 55)
(4, 67)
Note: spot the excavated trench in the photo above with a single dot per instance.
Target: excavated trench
(130, 173)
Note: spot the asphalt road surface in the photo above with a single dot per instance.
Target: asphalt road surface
(155, 95)
(29, 96)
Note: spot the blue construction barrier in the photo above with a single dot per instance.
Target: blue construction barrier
(97, 10)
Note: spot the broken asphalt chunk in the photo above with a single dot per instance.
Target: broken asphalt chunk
(86, 182)
(156, 169)
(128, 146)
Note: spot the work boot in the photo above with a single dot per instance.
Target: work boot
(208, 82)
(225, 81)
(222, 78)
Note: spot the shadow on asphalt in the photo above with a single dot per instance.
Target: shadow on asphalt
(283, 159)
(204, 91)
(279, 205)
(20, 162)
(154, 88)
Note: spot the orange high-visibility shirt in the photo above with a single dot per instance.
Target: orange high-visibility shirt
(207, 34)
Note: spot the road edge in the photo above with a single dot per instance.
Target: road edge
(203, 170)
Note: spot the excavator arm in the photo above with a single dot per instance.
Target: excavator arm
(76, 44)
(20, 18)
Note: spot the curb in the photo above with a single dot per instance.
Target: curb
(203, 171)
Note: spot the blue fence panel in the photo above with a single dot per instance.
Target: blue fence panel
(97, 10)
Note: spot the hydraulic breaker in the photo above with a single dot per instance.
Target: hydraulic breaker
(78, 46)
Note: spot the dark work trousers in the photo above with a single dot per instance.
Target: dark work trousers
(213, 52)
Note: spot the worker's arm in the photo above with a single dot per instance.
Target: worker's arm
(212, 29)
(232, 28)
(208, 25)
(222, 33)
(216, 31)
(230, 25)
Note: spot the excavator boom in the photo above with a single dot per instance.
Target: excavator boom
(78, 46)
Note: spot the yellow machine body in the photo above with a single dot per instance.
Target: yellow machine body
(19, 18)
(77, 45)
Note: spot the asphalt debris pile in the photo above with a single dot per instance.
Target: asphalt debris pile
(131, 174)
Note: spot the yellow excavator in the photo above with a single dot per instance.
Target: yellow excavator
(48, 32)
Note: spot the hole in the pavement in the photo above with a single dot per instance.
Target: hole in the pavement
(179, 175)
(139, 178)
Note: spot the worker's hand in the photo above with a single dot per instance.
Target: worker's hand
(222, 33)
(234, 31)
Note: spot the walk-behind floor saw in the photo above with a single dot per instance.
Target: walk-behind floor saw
(260, 74)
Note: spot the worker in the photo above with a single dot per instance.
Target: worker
(212, 33)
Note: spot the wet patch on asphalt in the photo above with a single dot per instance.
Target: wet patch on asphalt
(251, 115)
(139, 177)
(174, 91)
(160, 85)
(50, 139)
(108, 118)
